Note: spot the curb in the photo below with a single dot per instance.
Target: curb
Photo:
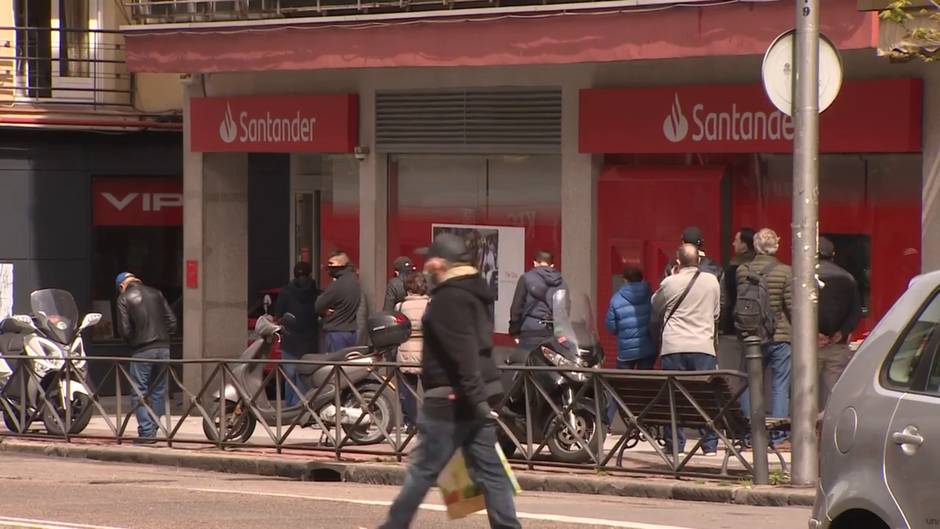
(394, 474)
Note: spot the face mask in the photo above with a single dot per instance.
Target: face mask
(336, 271)
(430, 279)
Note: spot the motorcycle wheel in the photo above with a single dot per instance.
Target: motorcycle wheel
(11, 419)
(53, 413)
(382, 412)
(240, 423)
(565, 447)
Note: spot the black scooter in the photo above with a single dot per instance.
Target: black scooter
(363, 424)
(573, 345)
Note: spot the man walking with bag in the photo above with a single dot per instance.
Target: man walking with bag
(460, 381)
(691, 303)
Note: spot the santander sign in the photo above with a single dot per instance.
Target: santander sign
(727, 124)
(314, 123)
(265, 129)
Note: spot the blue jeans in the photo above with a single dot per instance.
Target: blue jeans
(691, 362)
(642, 363)
(147, 376)
(777, 357)
(409, 401)
(339, 340)
(291, 398)
(438, 440)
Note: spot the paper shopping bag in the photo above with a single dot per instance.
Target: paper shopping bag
(462, 496)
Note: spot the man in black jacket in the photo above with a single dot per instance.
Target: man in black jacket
(461, 382)
(339, 304)
(298, 298)
(840, 310)
(395, 291)
(145, 321)
(533, 301)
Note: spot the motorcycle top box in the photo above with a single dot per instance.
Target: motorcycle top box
(389, 329)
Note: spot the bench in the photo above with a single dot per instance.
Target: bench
(649, 401)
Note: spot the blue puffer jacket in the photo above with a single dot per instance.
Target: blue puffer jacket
(628, 318)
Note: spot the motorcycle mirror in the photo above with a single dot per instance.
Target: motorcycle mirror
(91, 319)
(288, 319)
(21, 323)
(267, 303)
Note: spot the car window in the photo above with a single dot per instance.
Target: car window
(903, 364)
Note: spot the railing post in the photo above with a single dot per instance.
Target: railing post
(755, 375)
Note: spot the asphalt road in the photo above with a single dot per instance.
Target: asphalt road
(53, 493)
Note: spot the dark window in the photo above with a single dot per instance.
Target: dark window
(153, 253)
(853, 253)
(900, 369)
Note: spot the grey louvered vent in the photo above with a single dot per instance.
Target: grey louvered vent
(469, 121)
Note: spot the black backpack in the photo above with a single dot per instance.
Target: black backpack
(753, 314)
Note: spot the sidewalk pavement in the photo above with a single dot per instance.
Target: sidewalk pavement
(299, 461)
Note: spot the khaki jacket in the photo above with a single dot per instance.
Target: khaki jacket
(410, 351)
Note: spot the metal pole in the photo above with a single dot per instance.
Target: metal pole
(755, 384)
(805, 242)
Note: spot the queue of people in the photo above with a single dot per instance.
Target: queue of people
(694, 316)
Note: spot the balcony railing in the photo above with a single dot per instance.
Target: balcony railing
(178, 11)
(41, 65)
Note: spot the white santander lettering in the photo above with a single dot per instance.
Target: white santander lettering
(267, 129)
(740, 126)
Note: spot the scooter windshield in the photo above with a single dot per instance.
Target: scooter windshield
(56, 314)
(574, 320)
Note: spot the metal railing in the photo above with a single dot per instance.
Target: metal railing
(225, 409)
(65, 66)
(179, 11)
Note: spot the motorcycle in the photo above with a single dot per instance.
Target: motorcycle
(574, 344)
(246, 400)
(40, 382)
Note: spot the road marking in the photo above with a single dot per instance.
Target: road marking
(6, 521)
(440, 508)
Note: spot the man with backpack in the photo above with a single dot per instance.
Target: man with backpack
(762, 309)
(533, 302)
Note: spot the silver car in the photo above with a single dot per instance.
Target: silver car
(880, 448)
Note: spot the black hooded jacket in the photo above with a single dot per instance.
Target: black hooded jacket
(533, 302)
(299, 298)
(457, 368)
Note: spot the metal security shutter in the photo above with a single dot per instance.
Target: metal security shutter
(469, 121)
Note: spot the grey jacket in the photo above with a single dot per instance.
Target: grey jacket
(692, 328)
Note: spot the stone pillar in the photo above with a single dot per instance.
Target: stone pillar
(373, 205)
(578, 201)
(930, 232)
(192, 243)
(215, 221)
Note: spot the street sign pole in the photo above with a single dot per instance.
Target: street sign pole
(803, 410)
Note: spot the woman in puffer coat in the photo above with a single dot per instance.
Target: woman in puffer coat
(628, 318)
(414, 305)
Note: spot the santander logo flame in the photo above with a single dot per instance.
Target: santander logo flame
(676, 127)
(227, 129)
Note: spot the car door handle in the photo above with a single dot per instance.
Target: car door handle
(909, 436)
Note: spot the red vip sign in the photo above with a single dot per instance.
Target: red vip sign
(310, 123)
(882, 115)
(137, 201)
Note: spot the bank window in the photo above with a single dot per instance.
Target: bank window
(902, 365)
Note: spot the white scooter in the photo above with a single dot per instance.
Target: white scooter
(40, 383)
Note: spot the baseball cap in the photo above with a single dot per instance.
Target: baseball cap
(449, 247)
(403, 264)
(122, 277)
(693, 235)
(826, 248)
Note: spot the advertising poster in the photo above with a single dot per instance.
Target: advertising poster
(498, 252)
(6, 290)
